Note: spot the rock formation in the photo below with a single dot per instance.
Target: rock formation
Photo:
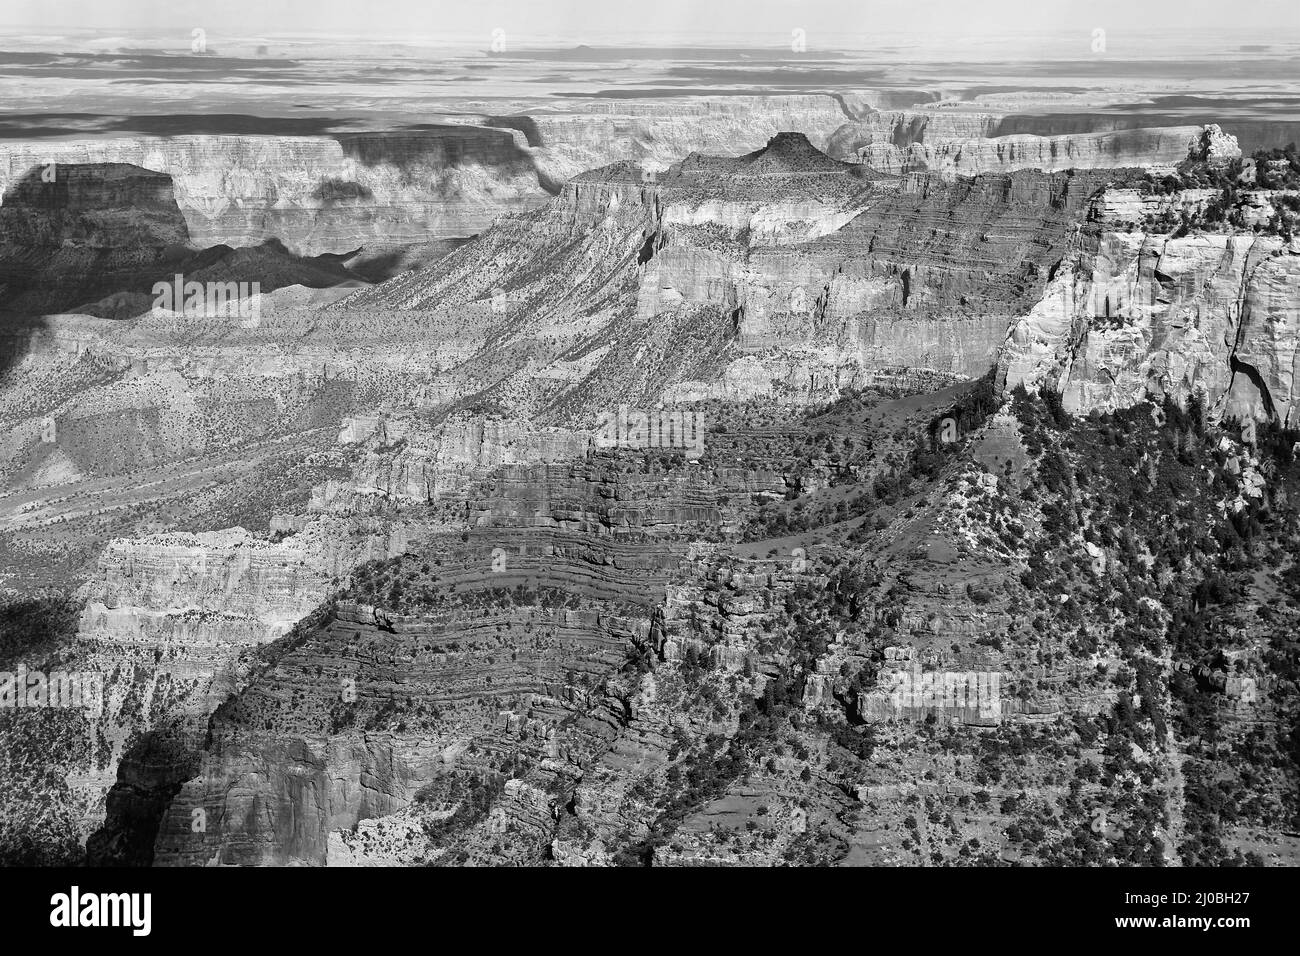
(381, 195)
(1133, 313)
(366, 586)
(1158, 149)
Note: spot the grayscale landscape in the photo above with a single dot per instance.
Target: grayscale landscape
(575, 434)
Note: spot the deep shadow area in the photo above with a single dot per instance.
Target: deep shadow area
(96, 237)
(383, 265)
(16, 334)
(33, 628)
(524, 124)
(151, 773)
(451, 145)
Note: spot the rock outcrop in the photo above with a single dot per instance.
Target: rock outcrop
(1158, 149)
(1133, 313)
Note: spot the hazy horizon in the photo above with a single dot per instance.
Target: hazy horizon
(829, 23)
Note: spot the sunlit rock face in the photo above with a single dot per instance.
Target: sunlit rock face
(1157, 149)
(951, 144)
(1134, 314)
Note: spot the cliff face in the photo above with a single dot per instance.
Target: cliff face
(166, 620)
(1159, 148)
(102, 206)
(319, 194)
(915, 276)
(950, 143)
(503, 642)
(429, 188)
(97, 237)
(73, 233)
(1135, 314)
(903, 128)
(660, 133)
(798, 276)
(398, 709)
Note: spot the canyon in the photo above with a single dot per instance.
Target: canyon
(367, 588)
(390, 200)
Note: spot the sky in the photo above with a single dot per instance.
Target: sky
(701, 21)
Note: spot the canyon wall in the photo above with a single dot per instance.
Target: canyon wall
(319, 194)
(433, 187)
(1132, 313)
(659, 133)
(1158, 149)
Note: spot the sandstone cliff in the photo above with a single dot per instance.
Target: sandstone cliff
(1132, 314)
(1159, 149)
